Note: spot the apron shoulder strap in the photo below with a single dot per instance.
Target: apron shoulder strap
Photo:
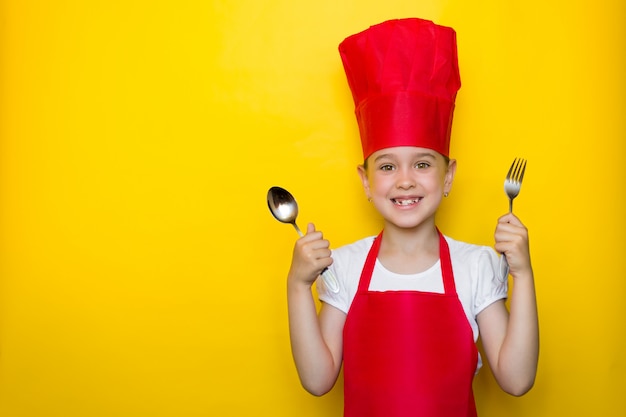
(370, 262)
(446, 265)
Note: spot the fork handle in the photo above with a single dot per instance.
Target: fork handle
(503, 268)
(504, 264)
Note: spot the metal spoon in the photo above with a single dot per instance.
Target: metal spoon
(284, 208)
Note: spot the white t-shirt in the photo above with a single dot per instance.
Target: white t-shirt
(475, 268)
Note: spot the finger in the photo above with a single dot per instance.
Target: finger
(311, 234)
(503, 229)
(514, 226)
(514, 235)
(510, 218)
(318, 244)
(317, 258)
(511, 238)
(506, 218)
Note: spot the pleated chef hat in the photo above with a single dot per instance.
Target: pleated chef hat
(404, 76)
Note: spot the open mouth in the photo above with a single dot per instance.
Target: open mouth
(405, 202)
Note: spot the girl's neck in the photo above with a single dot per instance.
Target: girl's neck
(409, 251)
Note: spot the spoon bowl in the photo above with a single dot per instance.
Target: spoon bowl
(284, 208)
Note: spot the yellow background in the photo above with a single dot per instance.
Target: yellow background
(141, 272)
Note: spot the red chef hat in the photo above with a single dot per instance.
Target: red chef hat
(404, 76)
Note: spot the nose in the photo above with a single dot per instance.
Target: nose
(405, 179)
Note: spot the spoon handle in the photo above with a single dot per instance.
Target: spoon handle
(329, 278)
(295, 226)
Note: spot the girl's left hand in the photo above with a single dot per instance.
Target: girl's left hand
(512, 240)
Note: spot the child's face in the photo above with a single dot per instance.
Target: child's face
(406, 184)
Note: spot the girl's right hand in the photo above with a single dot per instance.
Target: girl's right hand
(311, 255)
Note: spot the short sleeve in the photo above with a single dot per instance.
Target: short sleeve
(489, 287)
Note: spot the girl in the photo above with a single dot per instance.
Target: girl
(412, 301)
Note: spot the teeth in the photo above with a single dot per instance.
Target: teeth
(405, 202)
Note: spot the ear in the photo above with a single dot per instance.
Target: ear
(449, 177)
(364, 180)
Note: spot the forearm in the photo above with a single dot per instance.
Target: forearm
(519, 353)
(314, 361)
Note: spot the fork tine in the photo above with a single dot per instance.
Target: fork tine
(508, 175)
(521, 175)
(518, 164)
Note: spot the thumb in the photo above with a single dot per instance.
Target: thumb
(310, 228)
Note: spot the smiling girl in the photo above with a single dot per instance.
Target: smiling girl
(412, 302)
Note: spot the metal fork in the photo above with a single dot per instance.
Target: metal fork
(512, 186)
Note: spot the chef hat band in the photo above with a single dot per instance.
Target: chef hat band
(404, 77)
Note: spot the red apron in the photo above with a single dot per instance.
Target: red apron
(408, 353)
